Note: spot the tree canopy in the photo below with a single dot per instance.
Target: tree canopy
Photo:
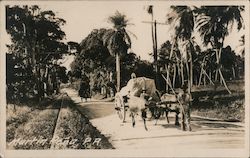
(36, 45)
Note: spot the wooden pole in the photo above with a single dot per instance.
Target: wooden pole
(155, 55)
(153, 34)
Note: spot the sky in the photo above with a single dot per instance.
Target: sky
(82, 17)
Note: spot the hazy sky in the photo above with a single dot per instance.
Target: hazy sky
(82, 17)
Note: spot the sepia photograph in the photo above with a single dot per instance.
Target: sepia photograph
(124, 78)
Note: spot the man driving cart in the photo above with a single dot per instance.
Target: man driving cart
(185, 99)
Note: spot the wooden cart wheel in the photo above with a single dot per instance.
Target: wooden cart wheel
(120, 108)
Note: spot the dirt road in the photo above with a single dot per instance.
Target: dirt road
(206, 134)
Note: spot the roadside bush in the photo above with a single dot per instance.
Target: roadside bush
(226, 110)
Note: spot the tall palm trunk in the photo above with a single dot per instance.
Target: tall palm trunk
(170, 56)
(174, 77)
(179, 71)
(188, 76)
(219, 69)
(191, 70)
(189, 66)
(201, 72)
(204, 80)
(182, 73)
(233, 71)
(210, 76)
(118, 72)
(217, 62)
(166, 67)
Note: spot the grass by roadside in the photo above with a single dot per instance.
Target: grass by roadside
(14, 118)
(218, 103)
(30, 127)
(74, 131)
(33, 127)
(231, 111)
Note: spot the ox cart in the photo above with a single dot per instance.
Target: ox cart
(140, 95)
(134, 89)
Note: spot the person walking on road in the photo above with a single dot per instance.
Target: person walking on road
(185, 99)
(84, 91)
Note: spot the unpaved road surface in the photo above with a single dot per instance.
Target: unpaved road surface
(206, 133)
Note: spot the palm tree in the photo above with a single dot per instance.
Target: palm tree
(214, 23)
(182, 20)
(117, 41)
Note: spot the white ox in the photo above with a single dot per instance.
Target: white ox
(130, 95)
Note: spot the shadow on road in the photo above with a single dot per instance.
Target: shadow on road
(217, 125)
(97, 110)
(200, 124)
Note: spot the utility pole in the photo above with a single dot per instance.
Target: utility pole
(155, 51)
(154, 40)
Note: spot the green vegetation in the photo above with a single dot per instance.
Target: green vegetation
(95, 60)
(29, 123)
(217, 103)
(73, 130)
(32, 68)
(45, 128)
(213, 25)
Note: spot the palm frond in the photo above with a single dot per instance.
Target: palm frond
(127, 38)
(131, 33)
(118, 20)
(214, 23)
(182, 20)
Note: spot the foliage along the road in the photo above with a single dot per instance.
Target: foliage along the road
(213, 24)
(36, 45)
(95, 60)
(232, 64)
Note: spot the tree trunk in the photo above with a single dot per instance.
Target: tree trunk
(182, 74)
(205, 74)
(179, 72)
(191, 70)
(224, 82)
(188, 77)
(210, 76)
(174, 77)
(219, 70)
(170, 56)
(216, 71)
(166, 67)
(233, 70)
(118, 72)
(200, 76)
(201, 72)
(204, 79)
